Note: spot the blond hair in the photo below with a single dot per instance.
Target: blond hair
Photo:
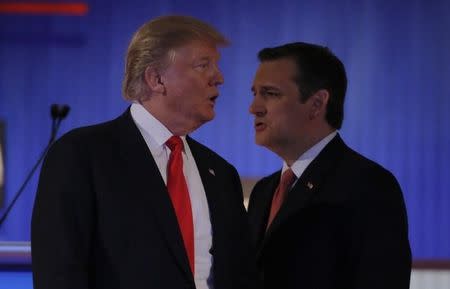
(154, 42)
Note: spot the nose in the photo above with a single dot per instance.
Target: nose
(220, 79)
(217, 77)
(257, 107)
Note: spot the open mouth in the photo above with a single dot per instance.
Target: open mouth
(259, 125)
(212, 99)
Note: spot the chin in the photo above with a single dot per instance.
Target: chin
(207, 116)
(201, 121)
(260, 140)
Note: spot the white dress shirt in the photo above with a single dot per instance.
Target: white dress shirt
(155, 135)
(300, 165)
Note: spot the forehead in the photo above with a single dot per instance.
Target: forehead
(279, 72)
(197, 49)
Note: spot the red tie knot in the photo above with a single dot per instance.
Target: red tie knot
(175, 143)
(288, 178)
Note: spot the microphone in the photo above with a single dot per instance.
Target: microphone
(58, 113)
(54, 111)
(64, 111)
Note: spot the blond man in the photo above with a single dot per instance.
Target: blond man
(135, 202)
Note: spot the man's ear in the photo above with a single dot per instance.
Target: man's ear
(319, 102)
(153, 80)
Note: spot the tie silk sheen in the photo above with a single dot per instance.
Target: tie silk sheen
(179, 194)
(287, 179)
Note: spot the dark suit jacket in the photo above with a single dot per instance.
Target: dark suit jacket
(103, 218)
(342, 226)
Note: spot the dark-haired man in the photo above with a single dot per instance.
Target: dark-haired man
(330, 218)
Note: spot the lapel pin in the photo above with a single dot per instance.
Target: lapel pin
(309, 185)
(211, 171)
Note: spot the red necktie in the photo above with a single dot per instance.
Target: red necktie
(287, 179)
(179, 194)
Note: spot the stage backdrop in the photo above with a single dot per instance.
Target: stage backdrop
(397, 109)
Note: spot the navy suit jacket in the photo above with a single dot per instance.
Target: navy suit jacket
(342, 226)
(103, 217)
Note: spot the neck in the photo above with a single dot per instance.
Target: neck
(170, 120)
(292, 151)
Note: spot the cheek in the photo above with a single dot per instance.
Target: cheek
(288, 120)
(193, 88)
(281, 116)
(182, 92)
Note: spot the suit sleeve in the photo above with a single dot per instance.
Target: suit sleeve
(383, 260)
(62, 220)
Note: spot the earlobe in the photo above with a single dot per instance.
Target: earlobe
(153, 80)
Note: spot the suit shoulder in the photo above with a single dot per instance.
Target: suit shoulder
(366, 166)
(372, 174)
(82, 139)
(89, 133)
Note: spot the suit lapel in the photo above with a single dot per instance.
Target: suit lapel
(146, 182)
(308, 185)
(262, 209)
(210, 182)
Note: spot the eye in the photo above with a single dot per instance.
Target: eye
(202, 65)
(273, 93)
(267, 93)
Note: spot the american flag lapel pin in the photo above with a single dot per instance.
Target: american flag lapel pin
(211, 171)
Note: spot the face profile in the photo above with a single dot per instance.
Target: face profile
(190, 84)
(281, 119)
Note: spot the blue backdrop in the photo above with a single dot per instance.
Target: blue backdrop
(397, 108)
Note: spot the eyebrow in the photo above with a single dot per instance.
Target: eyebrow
(265, 88)
(201, 59)
(209, 58)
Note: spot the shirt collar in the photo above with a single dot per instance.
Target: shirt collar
(151, 125)
(300, 165)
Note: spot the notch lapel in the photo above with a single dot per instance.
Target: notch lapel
(262, 209)
(209, 176)
(146, 182)
(308, 185)
(298, 197)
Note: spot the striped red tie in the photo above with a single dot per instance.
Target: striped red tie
(287, 179)
(179, 194)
